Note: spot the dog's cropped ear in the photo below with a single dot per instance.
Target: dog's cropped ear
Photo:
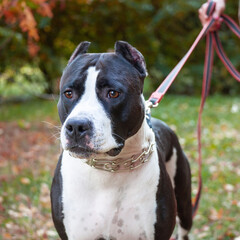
(80, 49)
(132, 55)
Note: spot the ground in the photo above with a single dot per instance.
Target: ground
(29, 149)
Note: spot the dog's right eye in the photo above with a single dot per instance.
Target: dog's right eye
(68, 94)
(113, 94)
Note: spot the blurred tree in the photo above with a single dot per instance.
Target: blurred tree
(162, 30)
(20, 14)
(19, 43)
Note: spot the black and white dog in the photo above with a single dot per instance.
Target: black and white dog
(119, 176)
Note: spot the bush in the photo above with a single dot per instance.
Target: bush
(25, 81)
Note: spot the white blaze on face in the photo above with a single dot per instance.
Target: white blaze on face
(90, 107)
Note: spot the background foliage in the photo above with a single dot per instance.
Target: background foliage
(43, 33)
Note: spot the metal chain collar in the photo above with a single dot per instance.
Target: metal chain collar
(120, 165)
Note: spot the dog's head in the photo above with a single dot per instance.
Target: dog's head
(101, 103)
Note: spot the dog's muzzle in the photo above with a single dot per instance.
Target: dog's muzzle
(80, 140)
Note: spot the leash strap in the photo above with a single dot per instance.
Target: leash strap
(212, 42)
(157, 96)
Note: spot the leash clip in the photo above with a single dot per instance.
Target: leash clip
(149, 104)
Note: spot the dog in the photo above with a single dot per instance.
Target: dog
(121, 175)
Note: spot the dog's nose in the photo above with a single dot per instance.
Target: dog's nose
(78, 127)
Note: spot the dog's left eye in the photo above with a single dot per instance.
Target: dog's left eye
(68, 94)
(113, 94)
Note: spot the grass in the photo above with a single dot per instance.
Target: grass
(26, 176)
(29, 111)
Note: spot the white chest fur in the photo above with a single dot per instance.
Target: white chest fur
(99, 204)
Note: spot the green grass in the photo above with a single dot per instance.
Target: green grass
(219, 212)
(29, 111)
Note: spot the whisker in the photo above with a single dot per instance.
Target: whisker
(119, 136)
(52, 125)
(54, 129)
(57, 136)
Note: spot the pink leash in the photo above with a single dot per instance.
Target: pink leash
(212, 43)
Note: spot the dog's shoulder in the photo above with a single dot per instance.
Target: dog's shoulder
(160, 127)
(56, 199)
(165, 138)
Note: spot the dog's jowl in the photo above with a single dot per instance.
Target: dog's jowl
(119, 176)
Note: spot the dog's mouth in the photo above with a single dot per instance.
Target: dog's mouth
(86, 152)
(115, 151)
(81, 152)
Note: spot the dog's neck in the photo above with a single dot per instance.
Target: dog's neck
(138, 142)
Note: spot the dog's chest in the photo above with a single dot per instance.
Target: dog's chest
(97, 205)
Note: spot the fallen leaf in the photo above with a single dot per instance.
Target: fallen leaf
(25, 181)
